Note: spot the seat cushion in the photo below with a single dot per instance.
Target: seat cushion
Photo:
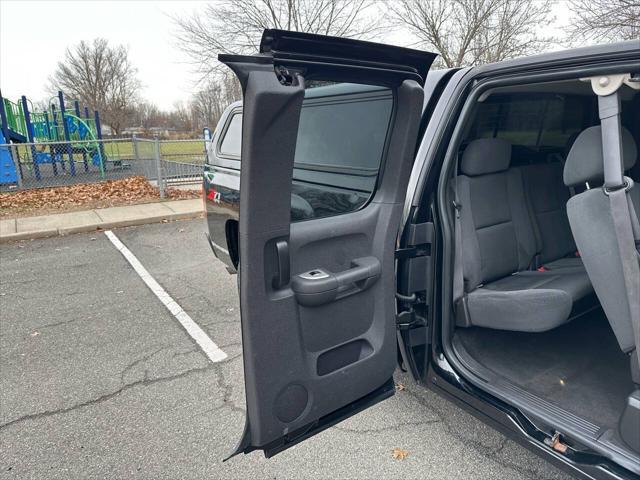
(528, 301)
(575, 284)
(534, 310)
(562, 265)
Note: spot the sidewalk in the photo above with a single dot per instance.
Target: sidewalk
(103, 218)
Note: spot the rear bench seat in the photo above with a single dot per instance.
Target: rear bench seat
(502, 288)
(547, 196)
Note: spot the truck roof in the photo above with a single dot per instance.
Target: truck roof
(562, 57)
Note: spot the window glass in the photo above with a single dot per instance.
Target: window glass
(531, 120)
(564, 118)
(486, 120)
(341, 138)
(232, 140)
(520, 122)
(344, 132)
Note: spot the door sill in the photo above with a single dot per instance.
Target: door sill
(544, 413)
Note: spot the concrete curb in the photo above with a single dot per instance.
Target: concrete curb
(104, 225)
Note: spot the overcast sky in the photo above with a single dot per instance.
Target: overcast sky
(35, 34)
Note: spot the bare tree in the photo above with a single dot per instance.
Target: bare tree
(101, 77)
(236, 26)
(472, 32)
(208, 103)
(604, 20)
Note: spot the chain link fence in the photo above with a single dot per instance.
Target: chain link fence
(164, 163)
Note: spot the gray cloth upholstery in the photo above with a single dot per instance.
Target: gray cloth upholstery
(591, 218)
(547, 199)
(592, 226)
(527, 301)
(498, 237)
(574, 284)
(585, 160)
(499, 245)
(535, 310)
(565, 264)
(486, 155)
(634, 193)
(635, 367)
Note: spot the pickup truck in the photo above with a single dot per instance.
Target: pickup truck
(477, 227)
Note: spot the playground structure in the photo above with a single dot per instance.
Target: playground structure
(66, 137)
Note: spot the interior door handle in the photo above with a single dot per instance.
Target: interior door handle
(317, 287)
(283, 272)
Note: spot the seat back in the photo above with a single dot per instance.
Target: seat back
(547, 198)
(497, 235)
(592, 225)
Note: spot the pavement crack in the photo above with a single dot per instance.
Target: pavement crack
(489, 452)
(58, 324)
(227, 391)
(145, 382)
(185, 352)
(140, 360)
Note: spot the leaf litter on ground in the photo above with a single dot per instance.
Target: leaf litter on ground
(399, 454)
(82, 196)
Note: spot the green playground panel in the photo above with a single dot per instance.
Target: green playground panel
(15, 117)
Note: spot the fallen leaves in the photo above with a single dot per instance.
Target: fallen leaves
(399, 387)
(125, 191)
(399, 454)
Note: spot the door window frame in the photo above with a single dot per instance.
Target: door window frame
(222, 159)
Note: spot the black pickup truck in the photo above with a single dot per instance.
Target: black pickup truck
(475, 226)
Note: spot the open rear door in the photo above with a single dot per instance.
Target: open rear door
(331, 123)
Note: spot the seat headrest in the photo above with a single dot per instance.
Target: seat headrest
(486, 155)
(585, 162)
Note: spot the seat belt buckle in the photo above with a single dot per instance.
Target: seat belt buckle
(458, 207)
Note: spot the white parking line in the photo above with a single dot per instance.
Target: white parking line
(207, 345)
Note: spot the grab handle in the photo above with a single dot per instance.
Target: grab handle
(317, 287)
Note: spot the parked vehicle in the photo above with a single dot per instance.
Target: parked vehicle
(478, 226)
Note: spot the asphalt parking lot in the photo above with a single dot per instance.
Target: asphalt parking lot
(99, 380)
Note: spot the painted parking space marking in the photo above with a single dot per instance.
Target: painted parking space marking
(207, 345)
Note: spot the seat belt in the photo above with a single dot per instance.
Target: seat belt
(616, 187)
(635, 222)
(458, 274)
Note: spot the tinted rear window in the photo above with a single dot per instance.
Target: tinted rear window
(344, 134)
(533, 120)
(232, 139)
(333, 133)
(341, 138)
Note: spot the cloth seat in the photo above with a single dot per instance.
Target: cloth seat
(547, 198)
(499, 247)
(592, 223)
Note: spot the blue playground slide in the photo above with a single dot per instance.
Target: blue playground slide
(8, 173)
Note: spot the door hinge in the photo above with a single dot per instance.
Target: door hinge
(410, 252)
(417, 241)
(408, 320)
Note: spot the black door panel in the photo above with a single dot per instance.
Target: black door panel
(316, 297)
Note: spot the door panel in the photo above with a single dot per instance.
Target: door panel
(316, 296)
